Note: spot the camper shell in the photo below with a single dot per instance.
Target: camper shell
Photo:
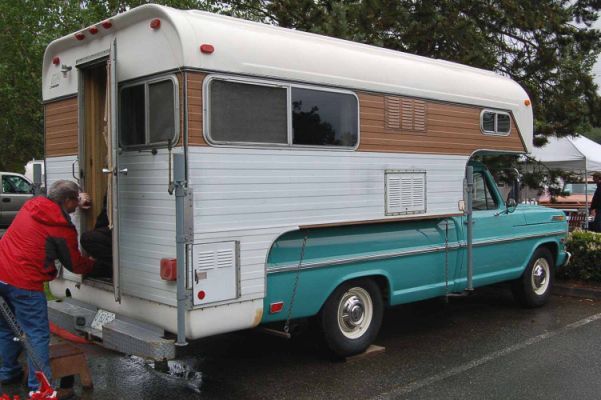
(309, 162)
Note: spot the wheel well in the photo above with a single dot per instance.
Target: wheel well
(553, 248)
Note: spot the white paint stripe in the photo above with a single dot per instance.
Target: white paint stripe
(415, 385)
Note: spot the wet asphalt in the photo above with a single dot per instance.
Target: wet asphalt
(478, 347)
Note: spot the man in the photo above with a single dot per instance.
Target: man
(41, 233)
(595, 209)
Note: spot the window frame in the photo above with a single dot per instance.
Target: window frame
(288, 86)
(490, 190)
(176, 109)
(496, 129)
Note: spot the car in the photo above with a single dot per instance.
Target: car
(575, 196)
(15, 191)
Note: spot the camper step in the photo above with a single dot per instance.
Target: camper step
(114, 332)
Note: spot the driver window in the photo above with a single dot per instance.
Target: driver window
(15, 184)
(483, 199)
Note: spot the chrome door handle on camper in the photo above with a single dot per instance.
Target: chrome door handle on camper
(76, 161)
(107, 171)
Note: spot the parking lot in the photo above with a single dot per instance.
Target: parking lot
(482, 346)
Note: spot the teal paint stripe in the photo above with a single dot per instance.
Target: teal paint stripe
(405, 253)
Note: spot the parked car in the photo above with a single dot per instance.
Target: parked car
(16, 190)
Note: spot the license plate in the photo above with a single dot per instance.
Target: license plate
(102, 317)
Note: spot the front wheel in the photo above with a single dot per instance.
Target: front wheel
(351, 317)
(533, 289)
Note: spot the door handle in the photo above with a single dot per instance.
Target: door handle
(123, 171)
(6, 200)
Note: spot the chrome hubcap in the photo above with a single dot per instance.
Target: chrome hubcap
(540, 276)
(355, 312)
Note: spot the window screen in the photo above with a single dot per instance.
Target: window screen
(503, 123)
(161, 111)
(241, 112)
(133, 116)
(324, 118)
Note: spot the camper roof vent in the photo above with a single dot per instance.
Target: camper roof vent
(405, 192)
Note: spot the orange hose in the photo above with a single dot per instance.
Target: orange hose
(65, 334)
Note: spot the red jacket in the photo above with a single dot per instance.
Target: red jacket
(40, 233)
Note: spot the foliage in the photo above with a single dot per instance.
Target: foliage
(586, 257)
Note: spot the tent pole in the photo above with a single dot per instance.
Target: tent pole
(585, 196)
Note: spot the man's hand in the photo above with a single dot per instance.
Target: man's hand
(85, 202)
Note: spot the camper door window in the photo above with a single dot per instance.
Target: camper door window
(148, 114)
(265, 113)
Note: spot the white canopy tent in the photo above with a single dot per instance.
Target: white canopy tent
(577, 154)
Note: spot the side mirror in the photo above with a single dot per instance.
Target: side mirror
(511, 205)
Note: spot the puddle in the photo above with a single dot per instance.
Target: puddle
(184, 371)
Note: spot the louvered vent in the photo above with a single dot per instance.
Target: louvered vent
(405, 114)
(405, 192)
(214, 272)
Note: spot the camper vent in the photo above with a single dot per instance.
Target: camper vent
(405, 192)
(405, 114)
(215, 271)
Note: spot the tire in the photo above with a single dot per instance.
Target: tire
(351, 317)
(533, 288)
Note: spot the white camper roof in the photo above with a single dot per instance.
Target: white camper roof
(249, 48)
(577, 154)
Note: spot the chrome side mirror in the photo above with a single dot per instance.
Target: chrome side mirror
(511, 205)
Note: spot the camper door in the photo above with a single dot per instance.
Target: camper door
(99, 163)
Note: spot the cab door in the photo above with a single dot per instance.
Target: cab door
(496, 232)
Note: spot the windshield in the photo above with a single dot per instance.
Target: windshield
(578, 188)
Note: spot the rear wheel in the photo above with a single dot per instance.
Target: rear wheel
(351, 317)
(533, 289)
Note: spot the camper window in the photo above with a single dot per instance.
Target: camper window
(324, 118)
(149, 113)
(260, 113)
(495, 122)
(248, 113)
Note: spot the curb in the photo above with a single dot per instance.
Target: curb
(567, 289)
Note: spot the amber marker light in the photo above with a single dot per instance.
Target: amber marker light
(527, 102)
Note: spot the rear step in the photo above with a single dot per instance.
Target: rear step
(123, 334)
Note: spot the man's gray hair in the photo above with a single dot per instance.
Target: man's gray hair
(63, 190)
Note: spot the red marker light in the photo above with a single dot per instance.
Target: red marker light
(276, 307)
(56, 61)
(201, 295)
(155, 23)
(93, 30)
(80, 36)
(207, 48)
(107, 24)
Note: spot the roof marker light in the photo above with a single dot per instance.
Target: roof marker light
(56, 61)
(527, 102)
(107, 24)
(207, 48)
(201, 295)
(155, 23)
(93, 30)
(80, 36)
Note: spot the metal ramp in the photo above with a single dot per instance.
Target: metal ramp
(123, 334)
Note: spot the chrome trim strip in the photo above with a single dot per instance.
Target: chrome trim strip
(396, 254)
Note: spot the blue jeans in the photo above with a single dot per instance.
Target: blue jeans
(31, 310)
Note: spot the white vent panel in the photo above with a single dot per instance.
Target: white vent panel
(405, 192)
(214, 272)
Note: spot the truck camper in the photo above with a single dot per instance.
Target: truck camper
(318, 178)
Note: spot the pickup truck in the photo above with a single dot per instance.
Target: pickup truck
(16, 190)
